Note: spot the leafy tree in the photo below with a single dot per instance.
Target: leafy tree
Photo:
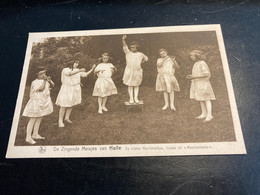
(56, 53)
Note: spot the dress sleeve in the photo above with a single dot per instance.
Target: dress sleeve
(126, 50)
(66, 71)
(111, 65)
(97, 69)
(112, 68)
(204, 69)
(159, 61)
(36, 84)
(145, 58)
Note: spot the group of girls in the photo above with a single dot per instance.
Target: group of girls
(40, 103)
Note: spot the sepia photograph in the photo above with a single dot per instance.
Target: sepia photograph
(158, 91)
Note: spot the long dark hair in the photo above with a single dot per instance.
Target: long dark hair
(70, 65)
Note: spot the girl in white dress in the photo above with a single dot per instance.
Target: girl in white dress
(201, 89)
(39, 105)
(166, 81)
(70, 91)
(104, 85)
(133, 74)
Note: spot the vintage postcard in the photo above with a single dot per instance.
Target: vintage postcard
(158, 91)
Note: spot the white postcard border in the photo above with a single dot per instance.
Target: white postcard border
(178, 149)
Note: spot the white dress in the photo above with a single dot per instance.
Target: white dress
(133, 74)
(166, 81)
(201, 89)
(40, 103)
(70, 91)
(104, 85)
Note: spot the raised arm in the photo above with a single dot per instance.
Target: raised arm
(123, 40)
(125, 48)
(85, 74)
(72, 72)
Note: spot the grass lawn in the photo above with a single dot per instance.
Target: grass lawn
(120, 127)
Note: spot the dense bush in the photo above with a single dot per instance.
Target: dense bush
(57, 53)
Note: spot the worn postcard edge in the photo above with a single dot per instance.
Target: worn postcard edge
(124, 150)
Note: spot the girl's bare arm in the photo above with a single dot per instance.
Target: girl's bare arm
(123, 41)
(88, 73)
(76, 71)
(196, 77)
(201, 76)
(125, 47)
(175, 62)
(50, 81)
